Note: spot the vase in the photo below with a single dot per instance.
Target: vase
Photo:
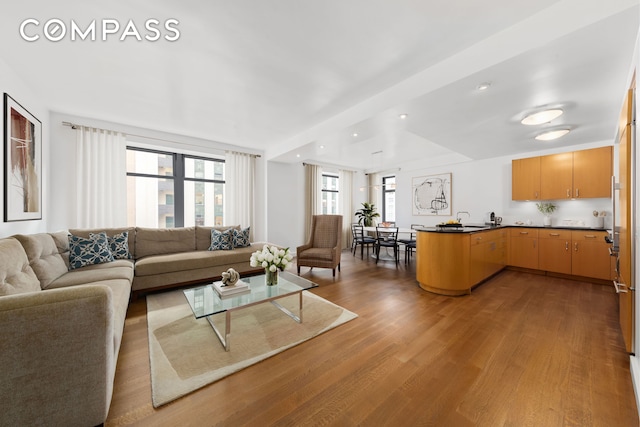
(272, 277)
(547, 221)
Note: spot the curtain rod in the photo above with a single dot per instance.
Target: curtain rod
(75, 126)
(330, 166)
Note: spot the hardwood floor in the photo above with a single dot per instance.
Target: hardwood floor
(521, 350)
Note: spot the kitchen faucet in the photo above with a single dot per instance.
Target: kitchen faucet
(462, 212)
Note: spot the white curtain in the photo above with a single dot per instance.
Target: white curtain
(313, 195)
(101, 181)
(240, 173)
(345, 179)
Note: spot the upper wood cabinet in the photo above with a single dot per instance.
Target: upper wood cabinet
(572, 175)
(525, 179)
(556, 176)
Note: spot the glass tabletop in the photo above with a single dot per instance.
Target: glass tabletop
(204, 300)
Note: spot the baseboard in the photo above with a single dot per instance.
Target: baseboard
(634, 365)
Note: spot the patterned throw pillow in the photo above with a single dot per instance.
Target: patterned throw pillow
(118, 244)
(221, 240)
(241, 238)
(94, 250)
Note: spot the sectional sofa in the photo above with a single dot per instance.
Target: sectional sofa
(63, 304)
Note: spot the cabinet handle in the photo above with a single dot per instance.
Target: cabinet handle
(621, 288)
(568, 193)
(577, 192)
(536, 194)
(575, 246)
(534, 244)
(478, 238)
(589, 236)
(524, 232)
(554, 234)
(566, 246)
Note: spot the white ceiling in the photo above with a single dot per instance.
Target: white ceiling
(298, 78)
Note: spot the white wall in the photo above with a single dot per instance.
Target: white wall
(11, 83)
(285, 205)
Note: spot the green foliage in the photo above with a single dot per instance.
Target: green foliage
(366, 214)
(546, 208)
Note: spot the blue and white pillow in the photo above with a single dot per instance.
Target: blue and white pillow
(221, 240)
(118, 245)
(94, 250)
(241, 238)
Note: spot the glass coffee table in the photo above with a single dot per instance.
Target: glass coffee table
(205, 301)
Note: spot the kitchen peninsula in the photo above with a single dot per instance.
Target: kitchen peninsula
(453, 261)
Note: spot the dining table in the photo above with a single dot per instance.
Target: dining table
(386, 256)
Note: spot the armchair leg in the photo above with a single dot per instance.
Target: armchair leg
(338, 267)
(298, 270)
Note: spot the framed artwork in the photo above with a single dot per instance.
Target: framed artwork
(431, 195)
(22, 163)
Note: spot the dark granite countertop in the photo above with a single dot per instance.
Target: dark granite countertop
(474, 228)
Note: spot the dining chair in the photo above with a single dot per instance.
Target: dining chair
(410, 243)
(387, 237)
(359, 238)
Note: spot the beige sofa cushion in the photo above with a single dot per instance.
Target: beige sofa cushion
(158, 241)
(203, 235)
(194, 260)
(119, 269)
(16, 275)
(46, 254)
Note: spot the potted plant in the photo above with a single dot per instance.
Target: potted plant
(546, 208)
(366, 214)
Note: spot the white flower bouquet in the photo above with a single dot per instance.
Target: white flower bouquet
(271, 258)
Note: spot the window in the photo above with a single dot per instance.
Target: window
(389, 199)
(329, 193)
(168, 190)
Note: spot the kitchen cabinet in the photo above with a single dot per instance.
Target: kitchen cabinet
(590, 255)
(571, 175)
(554, 251)
(525, 179)
(452, 263)
(523, 247)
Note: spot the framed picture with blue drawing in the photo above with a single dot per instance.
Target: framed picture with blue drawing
(431, 195)
(22, 163)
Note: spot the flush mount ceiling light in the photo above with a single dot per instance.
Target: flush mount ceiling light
(483, 86)
(550, 135)
(403, 116)
(540, 117)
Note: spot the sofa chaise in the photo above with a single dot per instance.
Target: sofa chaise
(61, 327)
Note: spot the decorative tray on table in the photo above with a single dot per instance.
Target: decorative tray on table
(449, 225)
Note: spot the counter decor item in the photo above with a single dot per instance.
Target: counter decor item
(546, 208)
(366, 214)
(598, 219)
(273, 259)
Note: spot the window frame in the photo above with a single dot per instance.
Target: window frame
(178, 178)
(385, 191)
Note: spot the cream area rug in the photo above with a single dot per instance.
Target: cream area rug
(185, 353)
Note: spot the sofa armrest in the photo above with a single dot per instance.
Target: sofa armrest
(57, 356)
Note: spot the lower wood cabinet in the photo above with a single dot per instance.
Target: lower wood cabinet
(575, 252)
(590, 255)
(523, 247)
(554, 252)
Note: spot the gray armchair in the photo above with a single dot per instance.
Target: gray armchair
(325, 244)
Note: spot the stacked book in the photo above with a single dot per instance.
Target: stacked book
(239, 288)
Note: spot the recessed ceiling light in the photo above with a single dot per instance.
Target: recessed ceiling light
(322, 146)
(552, 134)
(483, 86)
(354, 134)
(540, 117)
(298, 155)
(403, 116)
